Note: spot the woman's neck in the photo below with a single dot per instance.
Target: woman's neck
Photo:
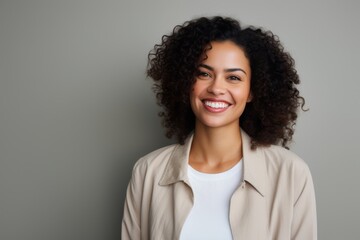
(215, 149)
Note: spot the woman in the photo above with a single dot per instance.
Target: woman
(229, 96)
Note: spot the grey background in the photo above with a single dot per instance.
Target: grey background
(76, 110)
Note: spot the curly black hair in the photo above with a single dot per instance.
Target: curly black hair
(271, 115)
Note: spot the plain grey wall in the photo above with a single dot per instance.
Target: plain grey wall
(76, 111)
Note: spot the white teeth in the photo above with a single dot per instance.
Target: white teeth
(216, 104)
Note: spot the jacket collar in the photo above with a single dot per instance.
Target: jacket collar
(254, 165)
(255, 172)
(177, 166)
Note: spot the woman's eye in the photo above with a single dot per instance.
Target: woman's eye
(234, 78)
(203, 75)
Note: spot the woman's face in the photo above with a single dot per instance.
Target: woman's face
(222, 86)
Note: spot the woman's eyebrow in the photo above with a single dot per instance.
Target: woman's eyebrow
(206, 66)
(234, 70)
(226, 70)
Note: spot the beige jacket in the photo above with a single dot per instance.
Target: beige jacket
(275, 201)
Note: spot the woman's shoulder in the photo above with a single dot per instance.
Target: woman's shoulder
(281, 158)
(155, 159)
(286, 168)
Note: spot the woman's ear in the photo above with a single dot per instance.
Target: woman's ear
(250, 97)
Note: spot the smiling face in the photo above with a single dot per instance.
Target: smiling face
(222, 86)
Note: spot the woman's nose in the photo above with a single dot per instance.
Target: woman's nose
(217, 86)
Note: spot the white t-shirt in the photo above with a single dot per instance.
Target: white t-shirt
(209, 217)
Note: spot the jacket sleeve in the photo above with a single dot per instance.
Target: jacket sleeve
(131, 223)
(304, 224)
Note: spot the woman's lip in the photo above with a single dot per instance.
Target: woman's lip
(211, 100)
(215, 106)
